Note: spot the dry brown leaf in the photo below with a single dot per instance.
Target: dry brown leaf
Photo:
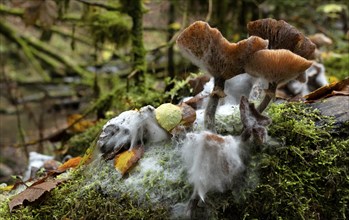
(71, 163)
(197, 83)
(336, 88)
(126, 160)
(33, 193)
(195, 101)
(188, 114)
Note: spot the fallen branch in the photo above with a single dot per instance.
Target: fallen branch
(10, 34)
(101, 5)
(11, 11)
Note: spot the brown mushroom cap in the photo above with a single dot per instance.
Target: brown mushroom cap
(208, 49)
(277, 66)
(320, 40)
(282, 35)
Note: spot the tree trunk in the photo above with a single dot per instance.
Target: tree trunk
(135, 10)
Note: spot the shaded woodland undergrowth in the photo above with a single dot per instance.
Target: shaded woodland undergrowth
(130, 61)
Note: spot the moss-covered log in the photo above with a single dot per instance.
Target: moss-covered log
(301, 173)
(28, 42)
(10, 34)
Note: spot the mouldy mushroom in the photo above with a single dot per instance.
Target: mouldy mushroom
(275, 66)
(209, 50)
(212, 162)
(253, 121)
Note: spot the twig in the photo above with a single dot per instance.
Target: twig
(5, 10)
(53, 53)
(209, 13)
(175, 36)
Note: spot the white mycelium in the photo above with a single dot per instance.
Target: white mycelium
(211, 161)
(129, 128)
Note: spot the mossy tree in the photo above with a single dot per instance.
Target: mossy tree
(135, 10)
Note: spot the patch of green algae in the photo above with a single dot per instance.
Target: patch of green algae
(301, 173)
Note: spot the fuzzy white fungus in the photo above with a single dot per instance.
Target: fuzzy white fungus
(211, 161)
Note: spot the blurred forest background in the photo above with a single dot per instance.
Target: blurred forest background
(69, 64)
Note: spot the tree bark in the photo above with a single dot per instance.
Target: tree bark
(135, 10)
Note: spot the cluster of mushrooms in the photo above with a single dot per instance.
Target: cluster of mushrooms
(275, 51)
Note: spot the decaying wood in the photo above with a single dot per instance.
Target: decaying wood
(336, 106)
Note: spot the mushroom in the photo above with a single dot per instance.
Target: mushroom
(282, 35)
(319, 39)
(209, 50)
(276, 67)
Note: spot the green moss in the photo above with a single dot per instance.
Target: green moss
(297, 124)
(71, 200)
(98, 191)
(303, 176)
(78, 144)
(111, 26)
(147, 93)
(337, 66)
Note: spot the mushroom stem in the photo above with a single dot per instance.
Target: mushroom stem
(269, 96)
(210, 112)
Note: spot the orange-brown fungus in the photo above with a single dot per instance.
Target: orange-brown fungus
(277, 66)
(208, 49)
(282, 35)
